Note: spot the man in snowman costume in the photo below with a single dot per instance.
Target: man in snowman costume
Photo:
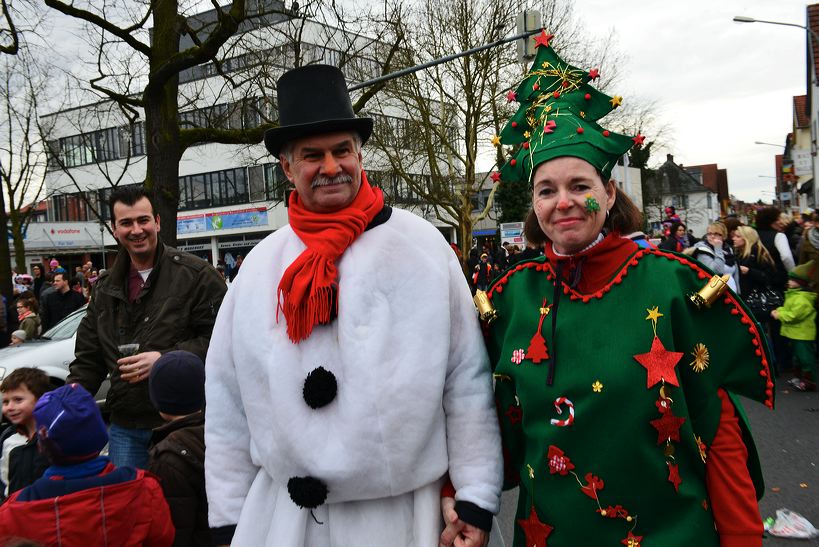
(347, 376)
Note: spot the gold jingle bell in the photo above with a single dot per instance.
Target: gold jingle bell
(486, 312)
(711, 292)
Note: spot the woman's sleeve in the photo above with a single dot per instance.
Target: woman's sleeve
(781, 244)
(729, 484)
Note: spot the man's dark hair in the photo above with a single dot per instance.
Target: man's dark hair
(766, 216)
(129, 195)
(34, 379)
(61, 274)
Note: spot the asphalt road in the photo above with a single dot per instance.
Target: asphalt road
(788, 443)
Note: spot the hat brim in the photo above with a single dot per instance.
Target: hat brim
(276, 138)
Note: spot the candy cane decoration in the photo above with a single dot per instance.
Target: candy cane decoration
(568, 421)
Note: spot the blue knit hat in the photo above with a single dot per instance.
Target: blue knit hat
(69, 424)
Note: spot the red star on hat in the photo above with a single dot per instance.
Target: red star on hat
(495, 176)
(674, 475)
(638, 140)
(660, 363)
(542, 39)
(536, 532)
(594, 74)
(511, 96)
(668, 427)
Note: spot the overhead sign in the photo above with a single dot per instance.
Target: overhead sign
(65, 235)
(512, 233)
(216, 221)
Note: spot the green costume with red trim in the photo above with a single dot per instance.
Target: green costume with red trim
(612, 451)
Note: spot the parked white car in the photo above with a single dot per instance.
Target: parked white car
(52, 353)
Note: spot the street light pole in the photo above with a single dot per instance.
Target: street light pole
(743, 19)
(770, 144)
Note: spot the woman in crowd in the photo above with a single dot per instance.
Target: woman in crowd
(27, 315)
(614, 390)
(756, 270)
(677, 240)
(715, 253)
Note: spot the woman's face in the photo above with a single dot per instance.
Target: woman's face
(739, 241)
(560, 189)
(680, 231)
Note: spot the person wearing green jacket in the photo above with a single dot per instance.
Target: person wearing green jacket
(798, 318)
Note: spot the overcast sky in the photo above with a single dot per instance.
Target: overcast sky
(721, 85)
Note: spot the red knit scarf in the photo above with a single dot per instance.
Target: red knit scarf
(305, 290)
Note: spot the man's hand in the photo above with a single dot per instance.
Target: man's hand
(457, 532)
(135, 368)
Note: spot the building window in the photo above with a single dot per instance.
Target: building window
(680, 201)
(216, 189)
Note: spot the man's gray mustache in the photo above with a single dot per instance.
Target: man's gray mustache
(323, 180)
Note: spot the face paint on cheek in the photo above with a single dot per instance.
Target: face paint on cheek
(592, 205)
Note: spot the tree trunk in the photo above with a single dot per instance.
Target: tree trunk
(16, 229)
(162, 122)
(5, 257)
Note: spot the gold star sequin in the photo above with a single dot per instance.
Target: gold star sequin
(526, 134)
(597, 387)
(495, 140)
(653, 314)
(701, 358)
(616, 101)
(548, 108)
(582, 114)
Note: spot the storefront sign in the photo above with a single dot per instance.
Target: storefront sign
(221, 220)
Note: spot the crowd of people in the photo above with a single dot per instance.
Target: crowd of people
(353, 396)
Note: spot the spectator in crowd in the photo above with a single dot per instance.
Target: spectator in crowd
(154, 297)
(21, 463)
(676, 241)
(716, 254)
(55, 266)
(483, 273)
(56, 305)
(809, 250)
(346, 372)
(177, 389)
(18, 337)
(37, 272)
(798, 318)
(27, 316)
(769, 227)
(82, 498)
(756, 267)
(235, 270)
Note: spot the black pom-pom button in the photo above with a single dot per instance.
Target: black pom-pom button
(307, 492)
(320, 388)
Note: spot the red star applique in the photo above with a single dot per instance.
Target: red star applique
(593, 485)
(536, 532)
(660, 363)
(511, 96)
(515, 414)
(594, 74)
(674, 476)
(638, 140)
(549, 127)
(542, 39)
(631, 540)
(495, 176)
(668, 427)
(558, 463)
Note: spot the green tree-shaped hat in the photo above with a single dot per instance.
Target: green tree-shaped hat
(557, 117)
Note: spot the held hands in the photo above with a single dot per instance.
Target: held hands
(775, 314)
(457, 532)
(715, 240)
(135, 368)
(743, 269)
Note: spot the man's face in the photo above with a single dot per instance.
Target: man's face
(60, 283)
(136, 229)
(36, 271)
(326, 170)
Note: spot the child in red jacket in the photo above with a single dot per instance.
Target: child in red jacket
(82, 499)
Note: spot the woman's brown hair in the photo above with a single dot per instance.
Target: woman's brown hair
(624, 217)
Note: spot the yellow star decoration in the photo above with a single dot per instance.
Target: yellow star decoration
(582, 114)
(545, 64)
(616, 101)
(597, 387)
(701, 358)
(495, 140)
(653, 315)
(526, 134)
(548, 108)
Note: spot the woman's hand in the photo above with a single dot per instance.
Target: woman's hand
(743, 269)
(457, 532)
(715, 240)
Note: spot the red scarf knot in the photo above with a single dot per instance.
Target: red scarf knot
(308, 290)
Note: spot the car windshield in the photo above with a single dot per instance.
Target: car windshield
(67, 327)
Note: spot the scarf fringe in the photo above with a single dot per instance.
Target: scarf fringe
(303, 315)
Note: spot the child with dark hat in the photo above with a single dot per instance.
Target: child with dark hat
(798, 318)
(176, 387)
(82, 499)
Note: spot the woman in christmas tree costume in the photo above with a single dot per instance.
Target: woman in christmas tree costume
(616, 367)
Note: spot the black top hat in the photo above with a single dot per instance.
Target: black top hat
(313, 99)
